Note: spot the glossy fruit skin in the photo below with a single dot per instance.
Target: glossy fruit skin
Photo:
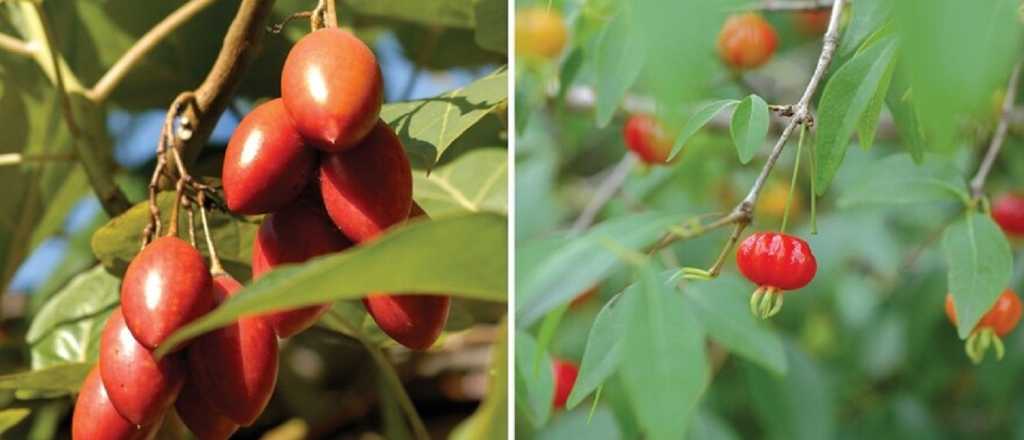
(205, 422)
(267, 164)
(331, 86)
(746, 41)
(812, 23)
(236, 365)
(369, 188)
(293, 235)
(1002, 317)
(413, 320)
(166, 286)
(96, 419)
(565, 373)
(776, 260)
(140, 387)
(1008, 212)
(645, 137)
(540, 32)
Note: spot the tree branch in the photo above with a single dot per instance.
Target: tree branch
(999, 137)
(106, 85)
(16, 46)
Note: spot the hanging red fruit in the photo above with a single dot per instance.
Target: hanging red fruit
(96, 419)
(646, 138)
(1008, 212)
(565, 373)
(998, 322)
(746, 41)
(200, 416)
(776, 262)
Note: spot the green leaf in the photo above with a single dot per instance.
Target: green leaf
(868, 124)
(11, 417)
(847, 96)
(721, 306)
(453, 13)
(490, 420)
(601, 425)
(473, 182)
(980, 266)
(535, 382)
(462, 256)
(427, 127)
(896, 179)
(557, 278)
(603, 353)
(699, 119)
(67, 329)
(868, 16)
(619, 58)
(117, 242)
(797, 406)
(749, 127)
(667, 372)
(491, 21)
(64, 378)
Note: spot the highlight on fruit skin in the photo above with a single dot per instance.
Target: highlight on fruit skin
(746, 41)
(540, 32)
(776, 263)
(1001, 319)
(1008, 213)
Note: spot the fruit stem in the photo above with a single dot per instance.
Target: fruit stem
(215, 266)
(792, 182)
(978, 182)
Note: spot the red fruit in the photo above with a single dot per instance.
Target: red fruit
(1002, 317)
(646, 138)
(293, 235)
(369, 188)
(813, 22)
(139, 386)
(165, 287)
(331, 86)
(413, 320)
(96, 419)
(746, 41)
(1008, 212)
(200, 416)
(267, 164)
(236, 365)
(780, 261)
(565, 377)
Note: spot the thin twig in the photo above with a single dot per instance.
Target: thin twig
(20, 158)
(978, 182)
(16, 46)
(278, 27)
(789, 5)
(331, 13)
(608, 188)
(109, 81)
(216, 267)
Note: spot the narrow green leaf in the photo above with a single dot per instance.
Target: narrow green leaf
(699, 119)
(11, 417)
(749, 127)
(896, 179)
(619, 60)
(67, 328)
(535, 383)
(462, 256)
(980, 266)
(64, 378)
(847, 96)
(868, 124)
(603, 353)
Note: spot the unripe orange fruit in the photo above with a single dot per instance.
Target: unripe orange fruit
(746, 41)
(772, 203)
(540, 32)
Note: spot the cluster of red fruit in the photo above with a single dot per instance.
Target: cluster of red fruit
(330, 174)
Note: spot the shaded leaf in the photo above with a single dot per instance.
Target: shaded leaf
(898, 180)
(475, 181)
(67, 328)
(980, 266)
(535, 383)
(618, 60)
(699, 119)
(749, 127)
(603, 354)
(490, 420)
(65, 378)
(11, 417)
(797, 406)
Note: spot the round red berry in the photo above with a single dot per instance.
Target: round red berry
(776, 260)
(646, 138)
(1001, 318)
(1008, 212)
(746, 41)
(565, 373)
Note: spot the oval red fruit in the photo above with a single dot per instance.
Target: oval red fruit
(200, 416)
(1002, 317)
(267, 164)
(96, 419)
(565, 373)
(292, 235)
(645, 137)
(746, 41)
(776, 260)
(139, 386)
(236, 365)
(166, 286)
(368, 188)
(1008, 212)
(331, 85)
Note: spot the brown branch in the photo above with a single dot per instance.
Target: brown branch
(999, 137)
(109, 81)
(16, 46)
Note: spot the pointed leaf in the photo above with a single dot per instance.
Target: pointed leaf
(603, 353)
(980, 266)
(619, 59)
(749, 127)
(699, 119)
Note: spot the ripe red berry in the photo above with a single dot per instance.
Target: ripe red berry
(413, 320)
(812, 23)
(166, 286)
(96, 419)
(646, 138)
(200, 416)
(746, 41)
(368, 188)
(292, 235)
(331, 85)
(776, 263)
(236, 365)
(267, 164)
(140, 387)
(565, 373)
(1008, 212)
(1001, 318)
